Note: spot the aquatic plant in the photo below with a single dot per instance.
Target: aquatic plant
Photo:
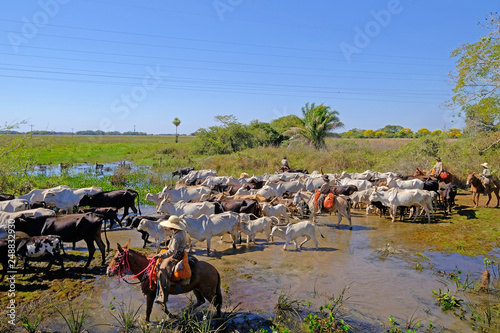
(125, 314)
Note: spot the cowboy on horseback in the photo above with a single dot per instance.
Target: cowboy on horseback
(323, 192)
(284, 165)
(174, 264)
(487, 178)
(437, 169)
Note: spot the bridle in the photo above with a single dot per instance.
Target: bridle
(122, 267)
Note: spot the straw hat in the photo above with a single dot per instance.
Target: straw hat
(438, 159)
(325, 177)
(485, 165)
(173, 222)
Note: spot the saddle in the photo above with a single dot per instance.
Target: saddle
(329, 200)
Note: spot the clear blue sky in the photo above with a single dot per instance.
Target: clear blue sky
(120, 64)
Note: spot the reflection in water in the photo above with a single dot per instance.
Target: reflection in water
(381, 283)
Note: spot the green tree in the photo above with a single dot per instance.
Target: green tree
(283, 124)
(477, 79)
(176, 122)
(315, 125)
(405, 133)
(392, 129)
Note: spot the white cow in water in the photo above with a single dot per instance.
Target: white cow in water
(252, 227)
(67, 198)
(394, 198)
(207, 226)
(192, 209)
(411, 184)
(291, 232)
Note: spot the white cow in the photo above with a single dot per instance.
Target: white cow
(185, 193)
(313, 183)
(410, 184)
(192, 176)
(37, 194)
(67, 198)
(407, 198)
(192, 209)
(154, 229)
(14, 205)
(4, 216)
(252, 227)
(361, 197)
(359, 183)
(207, 226)
(277, 211)
(154, 198)
(291, 232)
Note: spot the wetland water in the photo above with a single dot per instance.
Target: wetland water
(382, 278)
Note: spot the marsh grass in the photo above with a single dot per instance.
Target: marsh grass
(125, 314)
(76, 318)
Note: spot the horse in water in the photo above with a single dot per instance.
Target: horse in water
(341, 204)
(205, 279)
(477, 189)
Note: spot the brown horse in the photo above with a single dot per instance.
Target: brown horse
(205, 279)
(477, 189)
(445, 176)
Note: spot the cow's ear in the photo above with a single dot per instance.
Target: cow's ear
(127, 244)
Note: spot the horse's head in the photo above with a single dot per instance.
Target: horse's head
(470, 178)
(118, 264)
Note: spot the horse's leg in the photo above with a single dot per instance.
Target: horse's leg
(200, 299)
(150, 297)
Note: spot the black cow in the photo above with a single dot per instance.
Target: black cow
(343, 189)
(448, 194)
(71, 228)
(108, 214)
(118, 199)
(40, 247)
(182, 171)
(249, 206)
(5, 197)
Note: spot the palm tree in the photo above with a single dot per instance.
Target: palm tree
(315, 126)
(176, 122)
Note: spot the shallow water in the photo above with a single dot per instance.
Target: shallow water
(381, 279)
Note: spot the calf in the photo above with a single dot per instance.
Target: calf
(293, 231)
(108, 214)
(153, 229)
(252, 227)
(40, 247)
(278, 211)
(133, 222)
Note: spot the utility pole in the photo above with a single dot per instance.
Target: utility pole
(134, 128)
(31, 126)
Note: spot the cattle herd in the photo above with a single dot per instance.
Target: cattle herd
(209, 205)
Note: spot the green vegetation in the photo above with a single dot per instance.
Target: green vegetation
(316, 124)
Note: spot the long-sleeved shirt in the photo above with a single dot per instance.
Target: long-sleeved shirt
(178, 242)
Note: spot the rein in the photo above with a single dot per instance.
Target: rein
(123, 261)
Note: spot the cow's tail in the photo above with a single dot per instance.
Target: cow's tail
(138, 204)
(319, 231)
(106, 236)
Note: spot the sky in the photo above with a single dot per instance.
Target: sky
(121, 65)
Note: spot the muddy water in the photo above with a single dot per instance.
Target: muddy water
(381, 278)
